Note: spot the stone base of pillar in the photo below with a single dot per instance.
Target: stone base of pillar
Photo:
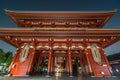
(91, 74)
(52, 73)
(9, 75)
(67, 73)
(70, 74)
(112, 74)
(28, 73)
(48, 75)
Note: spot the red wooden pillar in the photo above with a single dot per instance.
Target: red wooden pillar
(106, 60)
(70, 63)
(18, 68)
(38, 63)
(52, 64)
(90, 72)
(12, 69)
(67, 65)
(31, 59)
(102, 69)
(49, 63)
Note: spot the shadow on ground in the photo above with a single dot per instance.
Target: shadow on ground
(38, 77)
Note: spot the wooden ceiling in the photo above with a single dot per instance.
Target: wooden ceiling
(60, 19)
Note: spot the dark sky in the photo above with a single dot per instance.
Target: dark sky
(60, 5)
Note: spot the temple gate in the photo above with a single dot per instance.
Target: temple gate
(60, 42)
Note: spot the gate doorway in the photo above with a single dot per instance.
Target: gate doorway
(76, 66)
(59, 64)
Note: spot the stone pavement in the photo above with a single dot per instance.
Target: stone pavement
(37, 77)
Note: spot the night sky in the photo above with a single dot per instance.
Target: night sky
(60, 5)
